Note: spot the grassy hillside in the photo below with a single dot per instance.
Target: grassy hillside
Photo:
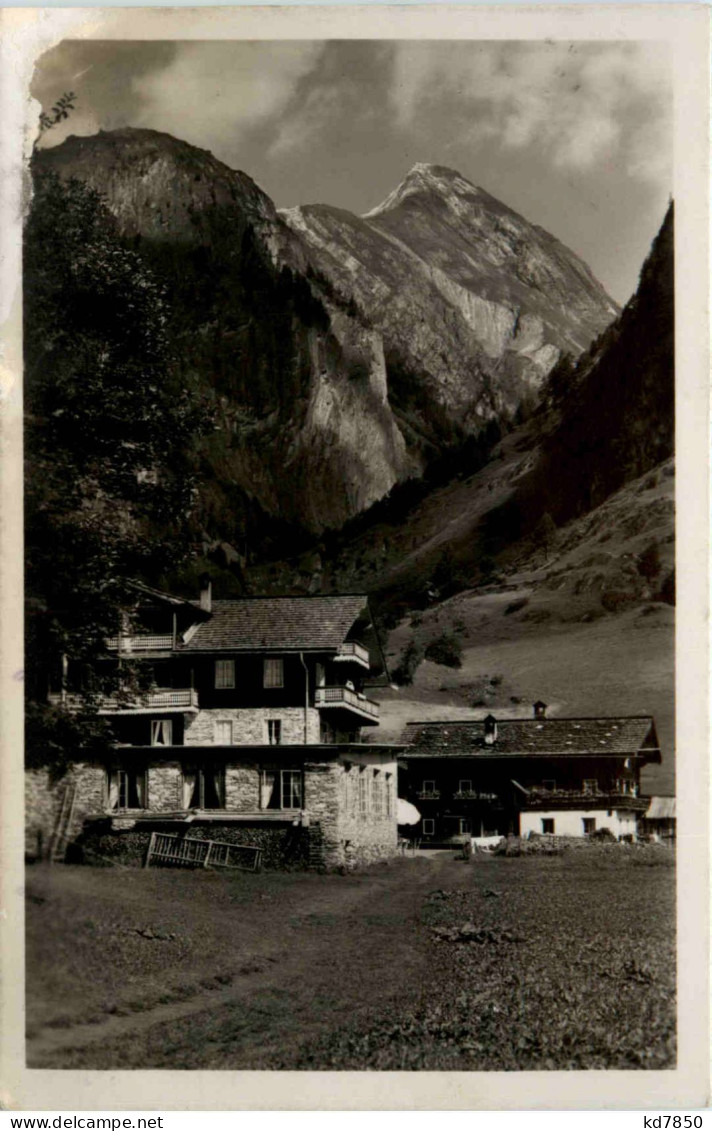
(577, 625)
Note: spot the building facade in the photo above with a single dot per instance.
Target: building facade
(248, 723)
(562, 777)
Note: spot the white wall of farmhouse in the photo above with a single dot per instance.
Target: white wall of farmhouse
(569, 822)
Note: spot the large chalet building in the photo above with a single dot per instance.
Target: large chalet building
(250, 727)
(556, 776)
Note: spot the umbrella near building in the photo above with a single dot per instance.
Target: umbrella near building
(407, 814)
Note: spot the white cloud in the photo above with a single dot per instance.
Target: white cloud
(211, 93)
(322, 106)
(577, 103)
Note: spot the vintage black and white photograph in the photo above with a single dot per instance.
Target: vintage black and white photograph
(350, 587)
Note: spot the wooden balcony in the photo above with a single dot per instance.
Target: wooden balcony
(428, 794)
(162, 701)
(355, 653)
(344, 699)
(582, 799)
(141, 643)
(474, 795)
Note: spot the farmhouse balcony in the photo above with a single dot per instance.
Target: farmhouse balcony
(355, 653)
(162, 700)
(343, 698)
(583, 799)
(474, 795)
(141, 643)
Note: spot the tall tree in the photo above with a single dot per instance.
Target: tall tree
(109, 433)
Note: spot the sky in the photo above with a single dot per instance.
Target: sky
(575, 136)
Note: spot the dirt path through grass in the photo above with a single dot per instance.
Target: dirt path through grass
(506, 963)
(315, 955)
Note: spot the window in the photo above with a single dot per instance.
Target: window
(161, 732)
(203, 787)
(464, 825)
(464, 786)
(389, 795)
(589, 825)
(224, 673)
(549, 784)
(428, 827)
(274, 673)
(274, 732)
(281, 789)
(127, 787)
(428, 787)
(377, 794)
(327, 733)
(590, 785)
(547, 824)
(362, 794)
(223, 732)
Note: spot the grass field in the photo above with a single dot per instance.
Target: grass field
(431, 963)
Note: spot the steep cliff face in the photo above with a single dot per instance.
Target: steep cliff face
(304, 429)
(341, 353)
(466, 292)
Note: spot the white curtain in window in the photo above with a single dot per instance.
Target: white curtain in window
(223, 733)
(161, 732)
(225, 673)
(113, 789)
(267, 785)
(188, 786)
(141, 788)
(219, 779)
(273, 673)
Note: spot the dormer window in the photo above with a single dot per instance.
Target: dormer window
(274, 672)
(490, 730)
(224, 674)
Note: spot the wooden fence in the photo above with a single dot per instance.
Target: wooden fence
(172, 850)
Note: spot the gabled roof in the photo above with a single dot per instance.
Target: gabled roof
(163, 597)
(278, 623)
(535, 737)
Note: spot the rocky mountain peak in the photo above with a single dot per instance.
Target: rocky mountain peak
(157, 185)
(430, 180)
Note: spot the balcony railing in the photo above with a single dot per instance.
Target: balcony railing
(582, 799)
(353, 651)
(428, 794)
(162, 699)
(474, 795)
(347, 699)
(143, 643)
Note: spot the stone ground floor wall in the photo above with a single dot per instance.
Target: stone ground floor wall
(43, 799)
(569, 822)
(343, 797)
(349, 810)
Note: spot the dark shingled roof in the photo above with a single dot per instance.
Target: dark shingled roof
(278, 623)
(535, 737)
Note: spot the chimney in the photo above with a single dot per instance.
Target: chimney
(206, 592)
(540, 709)
(490, 730)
